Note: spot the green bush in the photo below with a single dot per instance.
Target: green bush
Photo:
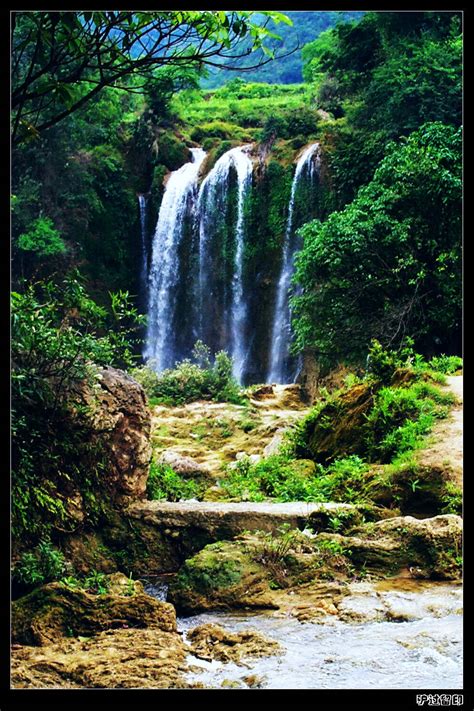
(446, 364)
(401, 417)
(218, 129)
(172, 151)
(58, 332)
(42, 239)
(281, 478)
(45, 564)
(164, 484)
(207, 379)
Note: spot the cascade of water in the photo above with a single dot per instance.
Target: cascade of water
(279, 370)
(142, 206)
(164, 269)
(211, 202)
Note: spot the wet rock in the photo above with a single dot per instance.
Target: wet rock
(254, 681)
(211, 641)
(56, 610)
(432, 491)
(263, 572)
(231, 684)
(263, 392)
(221, 576)
(119, 658)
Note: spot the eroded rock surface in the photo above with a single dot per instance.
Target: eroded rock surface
(116, 418)
(211, 641)
(117, 659)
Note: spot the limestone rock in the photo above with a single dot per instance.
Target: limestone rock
(274, 445)
(211, 641)
(119, 420)
(118, 658)
(56, 610)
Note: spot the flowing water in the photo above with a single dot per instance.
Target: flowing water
(213, 212)
(421, 650)
(281, 369)
(144, 265)
(177, 202)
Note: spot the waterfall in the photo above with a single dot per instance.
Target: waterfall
(144, 269)
(212, 207)
(164, 269)
(280, 360)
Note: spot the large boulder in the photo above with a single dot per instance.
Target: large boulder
(56, 609)
(116, 418)
(186, 467)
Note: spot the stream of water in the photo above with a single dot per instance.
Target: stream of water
(419, 647)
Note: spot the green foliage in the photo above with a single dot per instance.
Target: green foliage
(306, 26)
(219, 129)
(273, 477)
(389, 265)
(74, 55)
(287, 124)
(172, 152)
(206, 379)
(452, 500)
(387, 76)
(164, 84)
(94, 582)
(445, 364)
(280, 477)
(273, 550)
(45, 564)
(164, 484)
(42, 239)
(401, 417)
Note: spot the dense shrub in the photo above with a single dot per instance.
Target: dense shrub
(204, 379)
(165, 484)
(44, 564)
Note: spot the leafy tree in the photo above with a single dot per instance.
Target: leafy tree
(389, 265)
(387, 75)
(60, 60)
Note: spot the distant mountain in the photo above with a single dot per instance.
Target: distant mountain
(307, 26)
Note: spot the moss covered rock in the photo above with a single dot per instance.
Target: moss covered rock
(338, 428)
(56, 610)
(221, 576)
(428, 548)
